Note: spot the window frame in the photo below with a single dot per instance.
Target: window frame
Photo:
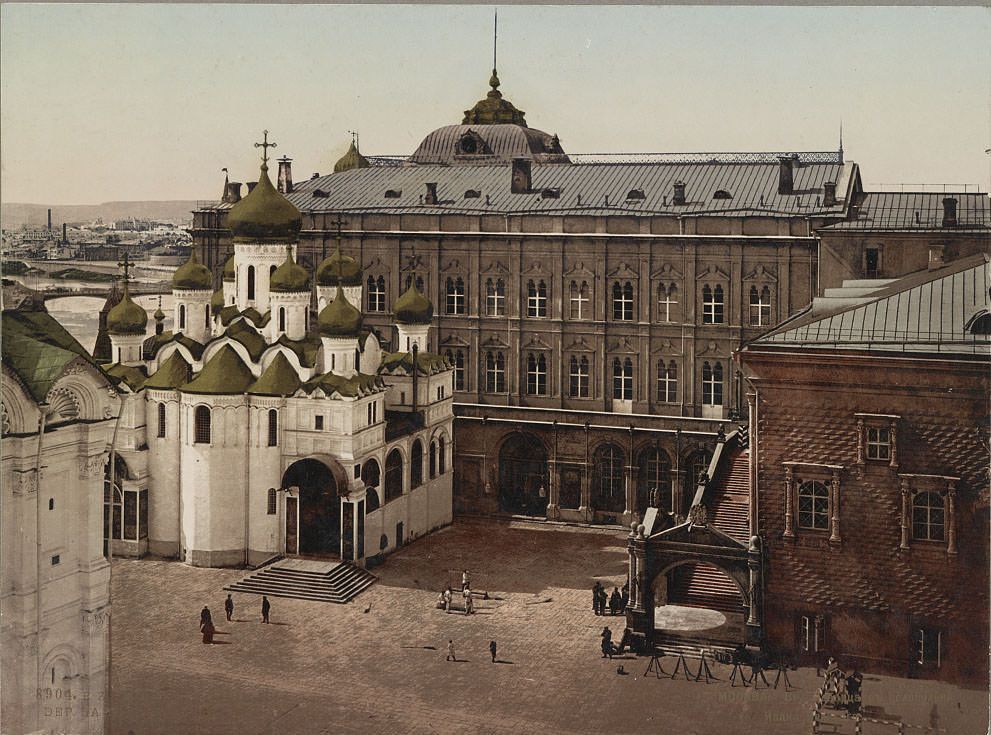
(622, 379)
(667, 381)
(273, 427)
(455, 296)
(376, 293)
(760, 305)
(495, 371)
(202, 427)
(536, 374)
(664, 304)
(713, 303)
(826, 515)
(622, 301)
(579, 372)
(712, 383)
(536, 301)
(578, 299)
(495, 297)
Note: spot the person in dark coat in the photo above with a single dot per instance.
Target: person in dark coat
(205, 616)
(266, 607)
(595, 598)
(206, 625)
(615, 602)
(492, 650)
(603, 600)
(229, 607)
(606, 643)
(626, 594)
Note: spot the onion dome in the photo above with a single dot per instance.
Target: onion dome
(351, 159)
(192, 275)
(229, 269)
(339, 318)
(339, 268)
(216, 301)
(289, 277)
(413, 307)
(127, 317)
(264, 214)
(159, 314)
(494, 109)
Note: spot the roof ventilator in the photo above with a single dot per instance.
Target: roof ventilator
(949, 212)
(521, 181)
(829, 194)
(472, 194)
(721, 194)
(635, 195)
(679, 194)
(550, 194)
(786, 173)
(393, 193)
(320, 193)
(431, 195)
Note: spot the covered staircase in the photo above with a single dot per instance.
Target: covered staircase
(301, 579)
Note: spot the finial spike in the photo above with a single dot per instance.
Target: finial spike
(495, 39)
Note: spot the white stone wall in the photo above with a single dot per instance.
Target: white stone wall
(264, 471)
(163, 473)
(198, 321)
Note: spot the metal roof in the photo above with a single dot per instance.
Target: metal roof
(908, 211)
(924, 312)
(569, 189)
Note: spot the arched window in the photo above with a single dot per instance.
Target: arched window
(667, 300)
(376, 293)
(161, 420)
(201, 419)
(273, 428)
(455, 295)
(622, 301)
(654, 480)
(495, 372)
(579, 300)
(536, 374)
(371, 500)
(760, 306)
(712, 304)
(622, 379)
(495, 297)
(433, 460)
(393, 475)
(928, 517)
(441, 456)
(609, 492)
(370, 473)
(271, 271)
(182, 316)
(251, 282)
(578, 374)
(667, 382)
(813, 506)
(712, 384)
(416, 465)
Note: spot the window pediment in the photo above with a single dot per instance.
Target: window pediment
(494, 266)
(535, 268)
(623, 346)
(712, 273)
(710, 348)
(623, 270)
(667, 272)
(580, 345)
(579, 269)
(495, 340)
(761, 275)
(536, 343)
(455, 340)
(453, 266)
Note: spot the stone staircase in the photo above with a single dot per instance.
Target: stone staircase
(672, 646)
(301, 579)
(731, 496)
(700, 585)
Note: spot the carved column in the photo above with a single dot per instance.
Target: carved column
(632, 578)
(753, 563)
(905, 510)
(834, 536)
(554, 483)
(631, 493)
(951, 530)
(789, 533)
(643, 595)
(892, 437)
(860, 441)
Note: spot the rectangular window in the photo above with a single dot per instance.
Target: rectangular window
(536, 374)
(878, 443)
(578, 373)
(712, 384)
(760, 306)
(536, 304)
(457, 359)
(495, 297)
(161, 420)
(143, 513)
(495, 372)
(872, 263)
(56, 559)
(622, 301)
(131, 515)
(273, 428)
(622, 377)
(667, 300)
(455, 296)
(376, 293)
(712, 304)
(928, 645)
(270, 509)
(318, 423)
(579, 300)
(810, 632)
(667, 382)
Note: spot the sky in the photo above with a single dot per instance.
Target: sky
(134, 102)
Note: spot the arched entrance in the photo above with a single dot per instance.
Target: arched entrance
(698, 601)
(523, 476)
(314, 516)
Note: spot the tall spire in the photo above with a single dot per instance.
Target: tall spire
(841, 140)
(495, 40)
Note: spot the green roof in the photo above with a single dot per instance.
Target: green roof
(134, 377)
(170, 374)
(127, 317)
(339, 318)
(37, 348)
(264, 214)
(192, 275)
(224, 374)
(217, 301)
(358, 385)
(306, 349)
(228, 313)
(228, 274)
(428, 362)
(247, 336)
(256, 317)
(351, 159)
(279, 379)
(339, 267)
(413, 307)
(289, 277)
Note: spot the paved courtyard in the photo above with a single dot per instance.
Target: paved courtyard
(377, 665)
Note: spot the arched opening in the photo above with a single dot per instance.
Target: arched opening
(441, 466)
(318, 513)
(282, 318)
(393, 475)
(251, 282)
(653, 480)
(371, 500)
(609, 479)
(113, 502)
(698, 584)
(433, 460)
(370, 473)
(523, 476)
(416, 465)
(182, 316)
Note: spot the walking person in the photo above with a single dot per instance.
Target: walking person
(492, 650)
(607, 643)
(450, 652)
(205, 616)
(206, 625)
(229, 606)
(595, 598)
(464, 580)
(469, 606)
(266, 608)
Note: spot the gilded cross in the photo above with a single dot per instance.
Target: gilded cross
(354, 139)
(339, 223)
(126, 265)
(266, 145)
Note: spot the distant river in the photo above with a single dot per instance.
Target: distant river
(81, 314)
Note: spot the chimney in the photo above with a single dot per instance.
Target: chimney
(679, 193)
(285, 175)
(786, 174)
(521, 181)
(49, 220)
(949, 212)
(829, 194)
(64, 238)
(936, 257)
(431, 197)
(252, 185)
(232, 193)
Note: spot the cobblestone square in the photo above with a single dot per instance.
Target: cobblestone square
(378, 663)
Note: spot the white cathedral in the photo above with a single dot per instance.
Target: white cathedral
(249, 432)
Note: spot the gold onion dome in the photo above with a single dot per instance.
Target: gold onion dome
(494, 110)
(264, 214)
(339, 267)
(192, 275)
(127, 317)
(339, 318)
(413, 307)
(229, 269)
(351, 159)
(289, 277)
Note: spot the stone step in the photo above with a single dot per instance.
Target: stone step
(339, 584)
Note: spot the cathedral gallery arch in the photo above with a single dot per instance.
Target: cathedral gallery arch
(313, 517)
(523, 475)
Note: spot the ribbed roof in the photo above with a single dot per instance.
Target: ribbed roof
(133, 376)
(358, 385)
(925, 312)
(170, 374)
(306, 349)
(224, 374)
(427, 362)
(279, 379)
(243, 332)
(229, 269)
(908, 211)
(475, 145)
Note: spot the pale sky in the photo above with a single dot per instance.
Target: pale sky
(127, 102)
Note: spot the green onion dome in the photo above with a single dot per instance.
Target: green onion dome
(289, 277)
(351, 159)
(339, 318)
(192, 275)
(127, 317)
(339, 267)
(216, 301)
(229, 269)
(264, 214)
(413, 307)
(159, 314)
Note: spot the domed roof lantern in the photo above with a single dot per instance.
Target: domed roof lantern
(339, 318)
(126, 317)
(494, 110)
(192, 275)
(289, 277)
(413, 307)
(352, 159)
(264, 214)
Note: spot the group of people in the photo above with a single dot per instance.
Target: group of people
(615, 602)
(209, 630)
(452, 656)
(446, 596)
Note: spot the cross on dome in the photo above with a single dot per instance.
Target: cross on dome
(265, 145)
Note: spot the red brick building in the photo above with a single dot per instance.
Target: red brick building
(869, 466)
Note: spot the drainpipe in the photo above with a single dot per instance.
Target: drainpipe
(37, 521)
